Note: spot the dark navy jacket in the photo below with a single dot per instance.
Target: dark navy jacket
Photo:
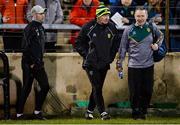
(97, 44)
(33, 43)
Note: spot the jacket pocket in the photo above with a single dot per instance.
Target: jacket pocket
(91, 58)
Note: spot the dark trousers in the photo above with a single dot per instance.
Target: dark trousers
(141, 87)
(96, 78)
(12, 41)
(28, 76)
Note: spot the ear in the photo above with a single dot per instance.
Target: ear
(146, 13)
(33, 14)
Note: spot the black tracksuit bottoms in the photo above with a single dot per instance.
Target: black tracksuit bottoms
(96, 78)
(141, 87)
(28, 76)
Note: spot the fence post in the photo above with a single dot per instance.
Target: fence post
(167, 24)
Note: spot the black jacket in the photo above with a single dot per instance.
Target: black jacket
(33, 43)
(97, 44)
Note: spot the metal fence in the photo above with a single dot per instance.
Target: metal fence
(173, 42)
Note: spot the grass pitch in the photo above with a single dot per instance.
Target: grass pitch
(124, 120)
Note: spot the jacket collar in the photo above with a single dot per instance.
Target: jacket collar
(146, 23)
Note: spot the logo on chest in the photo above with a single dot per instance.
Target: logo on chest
(37, 31)
(109, 35)
(134, 33)
(94, 34)
(148, 29)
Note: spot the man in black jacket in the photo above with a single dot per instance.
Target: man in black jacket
(97, 43)
(32, 62)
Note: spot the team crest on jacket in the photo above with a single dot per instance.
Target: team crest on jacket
(132, 12)
(148, 29)
(134, 32)
(109, 35)
(37, 31)
(94, 35)
(91, 73)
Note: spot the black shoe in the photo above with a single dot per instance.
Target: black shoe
(142, 116)
(89, 115)
(21, 118)
(143, 113)
(105, 116)
(138, 114)
(135, 114)
(39, 116)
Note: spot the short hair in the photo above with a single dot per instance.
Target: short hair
(141, 8)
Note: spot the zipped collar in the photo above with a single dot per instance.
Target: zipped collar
(145, 24)
(36, 22)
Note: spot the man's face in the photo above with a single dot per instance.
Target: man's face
(87, 2)
(104, 19)
(40, 17)
(153, 2)
(126, 2)
(140, 17)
